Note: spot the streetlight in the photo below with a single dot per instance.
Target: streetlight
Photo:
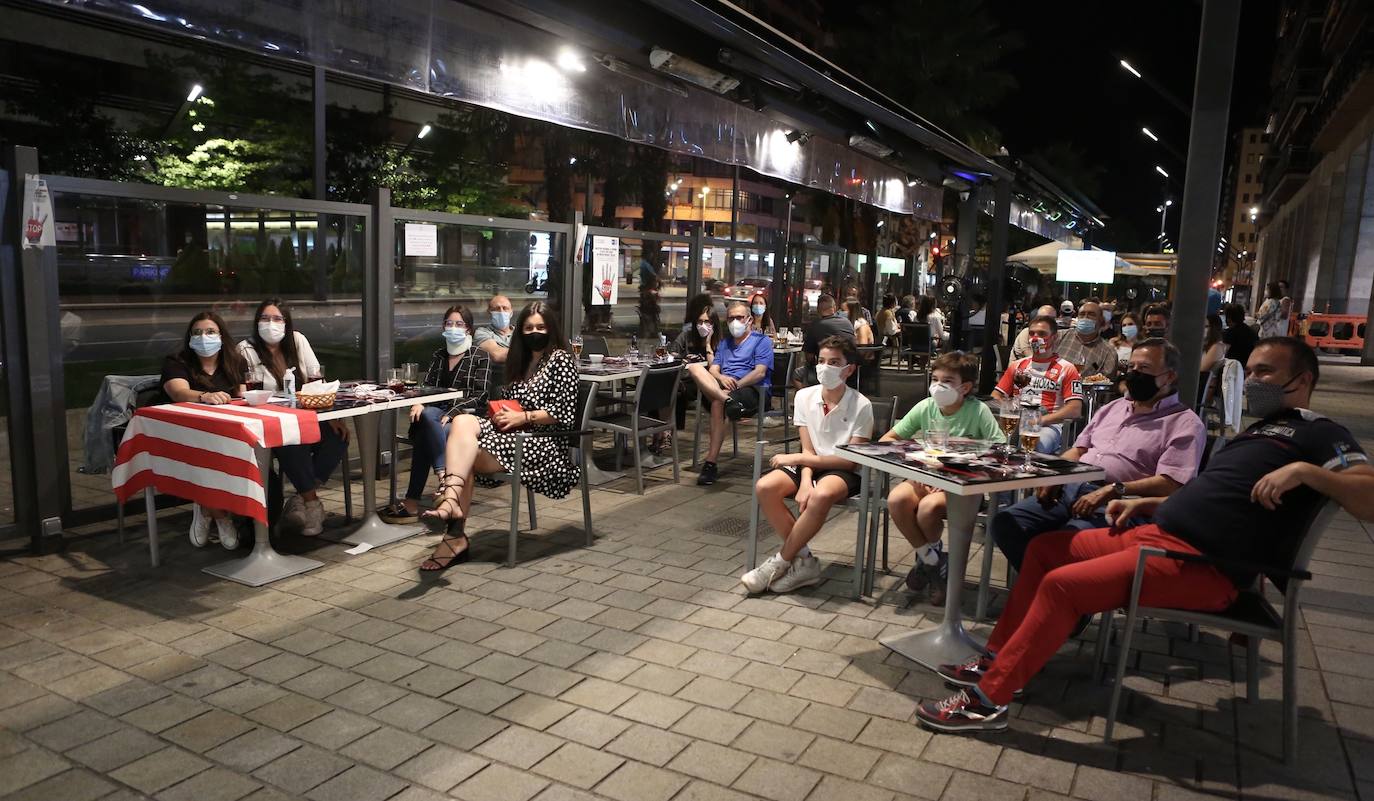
(1149, 133)
(1163, 210)
(1161, 171)
(192, 96)
(1132, 70)
(424, 131)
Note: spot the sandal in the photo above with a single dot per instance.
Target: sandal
(446, 507)
(396, 513)
(436, 562)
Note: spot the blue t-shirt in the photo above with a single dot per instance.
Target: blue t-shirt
(737, 360)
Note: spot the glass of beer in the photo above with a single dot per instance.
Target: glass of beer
(1009, 419)
(576, 344)
(661, 349)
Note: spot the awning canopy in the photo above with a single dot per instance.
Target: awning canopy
(1045, 259)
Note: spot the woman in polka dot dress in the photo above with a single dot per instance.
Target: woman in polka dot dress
(542, 377)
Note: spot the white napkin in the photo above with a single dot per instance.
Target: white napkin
(319, 388)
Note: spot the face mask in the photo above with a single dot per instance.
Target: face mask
(1129, 331)
(759, 309)
(1141, 387)
(1106, 315)
(738, 328)
(1038, 345)
(456, 340)
(500, 320)
(537, 340)
(704, 330)
(206, 345)
(944, 395)
(1085, 326)
(829, 375)
(272, 333)
(1155, 333)
(1265, 399)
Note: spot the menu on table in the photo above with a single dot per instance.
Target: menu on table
(969, 461)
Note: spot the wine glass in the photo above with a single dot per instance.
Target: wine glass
(1009, 419)
(1030, 430)
(576, 343)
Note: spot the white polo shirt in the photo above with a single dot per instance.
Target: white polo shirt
(852, 417)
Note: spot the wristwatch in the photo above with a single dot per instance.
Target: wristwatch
(1119, 488)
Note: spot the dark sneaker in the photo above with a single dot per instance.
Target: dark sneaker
(708, 474)
(918, 578)
(961, 712)
(1081, 626)
(968, 674)
(939, 579)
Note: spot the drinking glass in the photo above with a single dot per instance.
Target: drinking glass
(633, 352)
(410, 374)
(661, 351)
(395, 379)
(1030, 430)
(1009, 419)
(576, 343)
(937, 436)
(319, 374)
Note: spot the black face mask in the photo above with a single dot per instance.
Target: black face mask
(1142, 387)
(1156, 333)
(537, 340)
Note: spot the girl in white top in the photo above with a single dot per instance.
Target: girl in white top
(863, 332)
(274, 347)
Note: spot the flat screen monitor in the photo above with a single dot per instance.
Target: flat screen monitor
(1085, 266)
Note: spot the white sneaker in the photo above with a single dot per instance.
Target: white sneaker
(773, 421)
(314, 518)
(761, 577)
(293, 513)
(200, 527)
(228, 532)
(806, 571)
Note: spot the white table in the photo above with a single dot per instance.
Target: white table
(948, 643)
(264, 565)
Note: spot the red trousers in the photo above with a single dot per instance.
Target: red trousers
(1068, 574)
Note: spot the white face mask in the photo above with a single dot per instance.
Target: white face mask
(738, 328)
(944, 395)
(272, 333)
(829, 375)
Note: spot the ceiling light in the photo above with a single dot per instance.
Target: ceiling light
(643, 76)
(872, 147)
(572, 160)
(690, 71)
(1161, 171)
(881, 223)
(913, 182)
(1149, 133)
(568, 61)
(1132, 70)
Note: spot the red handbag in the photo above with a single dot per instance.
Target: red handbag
(503, 405)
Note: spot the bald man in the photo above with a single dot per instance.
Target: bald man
(1021, 348)
(494, 338)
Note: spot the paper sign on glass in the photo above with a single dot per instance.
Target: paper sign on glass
(422, 239)
(39, 225)
(605, 270)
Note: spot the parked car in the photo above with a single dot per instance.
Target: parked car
(749, 286)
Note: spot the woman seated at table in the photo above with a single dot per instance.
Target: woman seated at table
(456, 365)
(697, 346)
(761, 320)
(542, 377)
(274, 347)
(1129, 338)
(863, 332)
(207, 369)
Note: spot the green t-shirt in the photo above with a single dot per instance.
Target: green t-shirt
(974, 420)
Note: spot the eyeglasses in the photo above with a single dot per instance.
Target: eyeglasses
(740, 317)
(267, 318)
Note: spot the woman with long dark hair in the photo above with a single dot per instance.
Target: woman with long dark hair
(542, 377)
(928, 314)
(206, 369)
(696, 345)
(761, 319)
(455, 365)
(274, 347)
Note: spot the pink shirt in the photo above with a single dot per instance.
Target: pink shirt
(1165, 441)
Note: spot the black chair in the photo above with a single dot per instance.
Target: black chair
(783, 365)
(916, 345)
(656, 390)
(1251, 615)
(595, 346)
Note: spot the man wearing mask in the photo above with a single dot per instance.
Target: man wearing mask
(495, 338)
(827, 416)
(743, 363)
(1021, 348)
(828, 323)
(1147, 442)
(1045, 379)
(1245, 511)
(1083, 345)
(1157, 322)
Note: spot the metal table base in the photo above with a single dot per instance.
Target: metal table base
(372, 530)
(264, 565)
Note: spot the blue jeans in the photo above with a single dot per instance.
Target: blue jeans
(309, 466)
(427, 439)
(1015, 526)
(1051, 437)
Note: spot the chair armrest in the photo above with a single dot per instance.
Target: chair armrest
(578, 433)
(793, 438)
(1236, 564)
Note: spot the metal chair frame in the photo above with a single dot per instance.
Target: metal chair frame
(637, 427)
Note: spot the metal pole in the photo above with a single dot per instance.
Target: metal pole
(378, 288)
(997, 259)
(1202, 185)
(321, 189)
(966, 233)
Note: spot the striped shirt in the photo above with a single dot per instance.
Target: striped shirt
(472, 375)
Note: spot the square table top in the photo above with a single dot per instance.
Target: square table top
(978, 470)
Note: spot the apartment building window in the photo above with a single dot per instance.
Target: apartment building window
(1252, 139)
(1245, 198)
(1247, 178)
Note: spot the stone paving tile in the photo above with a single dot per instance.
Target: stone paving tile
(578, 765)
(73, 785)
(302, 770)
(215, 784)
(252, 750)
(160, 770)
(440, 767)
(28, 767)
(500, 783)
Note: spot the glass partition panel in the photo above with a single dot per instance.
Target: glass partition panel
(132, 273)
(469, 265)
(636, 288)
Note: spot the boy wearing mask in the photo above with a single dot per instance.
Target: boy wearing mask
(827, 415)
(917, 509)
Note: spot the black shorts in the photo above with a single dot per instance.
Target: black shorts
(851, 478)
(743, 402)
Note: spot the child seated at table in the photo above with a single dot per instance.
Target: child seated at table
(918, 509)
(827, 416)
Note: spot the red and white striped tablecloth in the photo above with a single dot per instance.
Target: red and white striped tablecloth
(206, 453)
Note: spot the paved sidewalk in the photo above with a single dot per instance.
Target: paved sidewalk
(634, 670)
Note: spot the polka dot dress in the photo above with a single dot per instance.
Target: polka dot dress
(545, 464)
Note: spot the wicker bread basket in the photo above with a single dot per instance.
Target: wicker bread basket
(304, 401)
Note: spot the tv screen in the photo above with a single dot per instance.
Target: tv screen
(1085, 266)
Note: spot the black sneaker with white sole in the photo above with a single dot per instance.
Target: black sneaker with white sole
(961, 712)
(707, 477)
